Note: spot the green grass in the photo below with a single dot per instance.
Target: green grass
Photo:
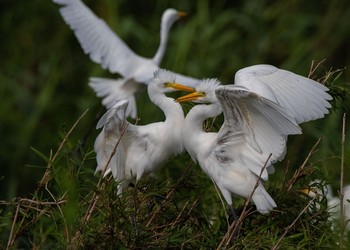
(43, 88)
(74, 208)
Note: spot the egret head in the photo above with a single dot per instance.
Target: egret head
(165, 81)
(172, 15)
(204, 92)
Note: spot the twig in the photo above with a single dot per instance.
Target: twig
(291, 225)
(313, 68)
(61, 212)
(285, 175)
(168, 196)
(43, 182)
(11, 239)
(341, 192)
(91, 208)
(19, 204)
(43, 203)
(179, 215)
(244, 212)
(299, 171)
(113, 152)
(235, 224)
(94, 199)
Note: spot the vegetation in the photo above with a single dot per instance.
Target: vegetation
(50, 196)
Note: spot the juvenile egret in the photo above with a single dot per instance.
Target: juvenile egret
(261, 109)
(106, 48)
(141, 149)
(333, 202)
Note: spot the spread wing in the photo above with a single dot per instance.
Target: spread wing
(304, 98)
(105, 47)
(110, 153)
(101, 43)
(254, 127)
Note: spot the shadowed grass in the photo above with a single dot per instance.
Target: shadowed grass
(160, 213)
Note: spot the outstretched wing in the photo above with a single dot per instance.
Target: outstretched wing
(114, 90)
(110, 153)
(101, 43)
(304, 98)
(254, 127)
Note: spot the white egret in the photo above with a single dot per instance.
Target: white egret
(141, 149)
(106, 48)
(346, 202)
(333, 202)
(261, 109)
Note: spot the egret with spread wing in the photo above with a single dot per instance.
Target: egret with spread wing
(131, 151)
(106, 48)
(261, 109)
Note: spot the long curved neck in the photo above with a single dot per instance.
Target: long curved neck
(164, 32)
(193, 133)
(198, 114)
(171, 109)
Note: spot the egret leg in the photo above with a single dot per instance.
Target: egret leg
(233, 213)
(235, 219)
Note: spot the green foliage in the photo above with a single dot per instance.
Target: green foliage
(73, 208)
(43, 87)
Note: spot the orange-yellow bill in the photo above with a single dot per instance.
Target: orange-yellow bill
(178, 86)
(181, 13)
(190, 97)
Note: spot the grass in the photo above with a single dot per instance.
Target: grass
(43, 89)
(72, 208)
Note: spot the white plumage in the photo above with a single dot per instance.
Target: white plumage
(140, 150)
(261, 109)
(333, 201)
(106, 48)
(304, 98)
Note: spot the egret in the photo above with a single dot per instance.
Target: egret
(333, 202)
(106, 48)
(261, 109)
(130, 151)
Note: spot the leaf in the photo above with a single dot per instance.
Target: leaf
(41, 155)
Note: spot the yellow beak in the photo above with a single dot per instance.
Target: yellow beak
(181, 13)
(311, 192)
(306, 191)
(190, 97)
(178, 86)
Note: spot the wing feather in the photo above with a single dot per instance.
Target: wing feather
(110, 152)
(114, 90)
(99, 41)
(304, 98)
(253, 128)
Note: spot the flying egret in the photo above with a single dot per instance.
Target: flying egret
(261, 109)
(131, 151)
(106, 48)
